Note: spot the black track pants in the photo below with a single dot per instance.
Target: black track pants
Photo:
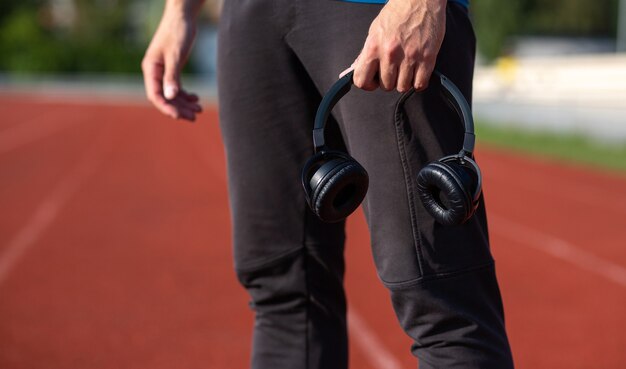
(276, 59)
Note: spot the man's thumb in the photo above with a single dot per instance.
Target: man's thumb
(349, 69)
(171, 80)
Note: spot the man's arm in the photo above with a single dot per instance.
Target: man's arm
(166, 56)
(402, 46)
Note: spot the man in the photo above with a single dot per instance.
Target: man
(276, 58)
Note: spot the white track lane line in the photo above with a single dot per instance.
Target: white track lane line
(32, 130)
(48, 209)
(558, 248)
(373, 349)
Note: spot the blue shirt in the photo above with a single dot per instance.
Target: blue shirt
(465, 3)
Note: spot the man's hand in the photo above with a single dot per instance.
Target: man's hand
(164, 60)
(402, 46)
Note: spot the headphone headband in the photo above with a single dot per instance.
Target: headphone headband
(453, 96)
(338, 90)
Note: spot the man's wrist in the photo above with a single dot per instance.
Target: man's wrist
(440, 2)
(187, 7)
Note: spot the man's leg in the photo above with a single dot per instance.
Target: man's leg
(442, 280)
(290, 263)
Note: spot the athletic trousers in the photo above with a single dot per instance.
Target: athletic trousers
(276, 59)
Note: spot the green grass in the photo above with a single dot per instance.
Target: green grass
(565, 147)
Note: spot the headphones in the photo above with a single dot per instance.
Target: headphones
(335, 183)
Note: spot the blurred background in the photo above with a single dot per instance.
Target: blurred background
(114, 230)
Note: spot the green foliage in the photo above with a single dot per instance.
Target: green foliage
(7, 7)
(570, 17)
(566, 147)
(26, 47)
(111, 36)
(101, 39)
(496, 20)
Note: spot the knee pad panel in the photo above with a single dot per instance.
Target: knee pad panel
(278, 285)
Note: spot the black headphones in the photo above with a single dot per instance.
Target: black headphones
(335, 184)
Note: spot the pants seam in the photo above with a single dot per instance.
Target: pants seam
(436, 277)
(254, 266)
(408, 175)
(295, 9)
(307, 305)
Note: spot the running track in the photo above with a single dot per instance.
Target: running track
(115, 250)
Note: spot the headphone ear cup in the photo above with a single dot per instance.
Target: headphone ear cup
(472, 171)
(337, 189)
(446, 191)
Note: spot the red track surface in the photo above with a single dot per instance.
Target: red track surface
(115, 250)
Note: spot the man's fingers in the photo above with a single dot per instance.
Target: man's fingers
(187, 114)
(388, 75)
(181, 102)
(171, 77)
(191, 97)
(153, 76)
(365, 74)
(196, 108)
(391, 57)
(182, 105)
(405, 76)
(178, 109)
(422, 76)
(165, 107)
(346, 71)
